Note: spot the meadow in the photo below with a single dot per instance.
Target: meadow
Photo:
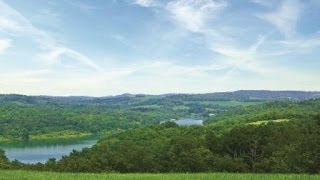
(9, 174)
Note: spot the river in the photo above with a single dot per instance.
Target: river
(40, 151)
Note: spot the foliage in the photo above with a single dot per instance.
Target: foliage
(35, 117)
(229, 142)
(266, 112)
(291, 147)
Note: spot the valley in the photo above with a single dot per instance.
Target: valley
(238, 134)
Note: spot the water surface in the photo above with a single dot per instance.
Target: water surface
(40, 151)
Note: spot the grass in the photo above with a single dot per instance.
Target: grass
(60, 135)
(230, 103)
(13, 174)
(180, 107)
(257, 123)
(54, 136)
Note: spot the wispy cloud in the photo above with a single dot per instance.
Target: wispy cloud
(200, 16)
(229, 48)
(194, 14)
(250, 58)
(122, 39)
(285, 17)
(267, 3)
(302, 44)
(15, 23)
(81, 5)
(56, 53)
(297, 45)
(144, 3)
(4, 45)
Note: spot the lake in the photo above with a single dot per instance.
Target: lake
(40, 151)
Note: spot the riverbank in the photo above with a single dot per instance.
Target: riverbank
(54, 136)
(57, 136)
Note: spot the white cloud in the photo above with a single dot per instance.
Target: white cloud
(296, 45)
(144, 3)
(240, 64)
(4, 45)
(83, 6)
(155, 77)
(202, 16)
(15, 24)
(199, 16)
(285, 18)
(267, 3)
(56, 53)
(302, 44)
(195, 14)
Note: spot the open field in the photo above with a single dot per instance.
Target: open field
(231, 103)
(53, 136)
(269, 121)
(7, 174)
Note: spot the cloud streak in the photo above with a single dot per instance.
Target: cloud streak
(4, 45)
(15, 24)
(166, 46)
(194, 14)
(285, 17)
(144, 3)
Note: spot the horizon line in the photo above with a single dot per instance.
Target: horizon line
(147, 94)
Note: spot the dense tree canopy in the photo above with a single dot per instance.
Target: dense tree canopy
(277, 137)
(287, 147)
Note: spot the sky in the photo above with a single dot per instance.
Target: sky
(109, 47)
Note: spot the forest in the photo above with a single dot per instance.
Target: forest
(35, 117)
(273, 136)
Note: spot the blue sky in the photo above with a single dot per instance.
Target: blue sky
(99, 47)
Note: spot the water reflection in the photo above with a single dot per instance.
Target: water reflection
(41, 151)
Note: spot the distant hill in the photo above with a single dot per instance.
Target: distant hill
(264, 94)
(31, 117)
(241, 95)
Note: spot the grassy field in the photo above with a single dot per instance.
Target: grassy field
(230, 103)
(61, 135)
(4, 174)
(269, 121)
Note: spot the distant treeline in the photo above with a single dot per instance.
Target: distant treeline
(242, 95)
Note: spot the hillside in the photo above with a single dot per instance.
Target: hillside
(32, 117)
(269, 111)
(241, 95)
(231, 143)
